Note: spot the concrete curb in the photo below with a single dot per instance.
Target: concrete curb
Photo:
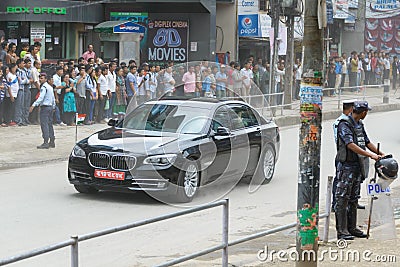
(15, 165)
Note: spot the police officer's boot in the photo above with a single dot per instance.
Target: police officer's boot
(341, 222)
(52, 143)
(352, 221)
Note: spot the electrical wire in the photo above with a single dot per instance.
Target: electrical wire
(222, 37)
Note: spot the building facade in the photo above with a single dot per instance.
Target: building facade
(62, 27)
(65, 28)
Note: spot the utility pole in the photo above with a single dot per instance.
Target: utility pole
(289, 62)
(275, 15)
(310, 139)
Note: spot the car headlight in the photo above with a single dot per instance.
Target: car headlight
(160, 160)
(78, 152)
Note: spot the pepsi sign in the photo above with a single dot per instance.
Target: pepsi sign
(248, 25)
(128, 27)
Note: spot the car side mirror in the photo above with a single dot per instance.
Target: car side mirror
(222, 131)
(112, 122)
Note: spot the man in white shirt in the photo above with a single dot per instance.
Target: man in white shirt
(248, 74)
(35, 89)
(102, 91)
(153, 81)
(386, 71)
(57, 93)
(299, 73)
(168, 80)
(111, 79)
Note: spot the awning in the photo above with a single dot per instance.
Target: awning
(121, 26)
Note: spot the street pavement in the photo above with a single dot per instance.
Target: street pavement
(18, 148)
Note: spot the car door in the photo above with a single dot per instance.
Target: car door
(246, 140)
(219, 147)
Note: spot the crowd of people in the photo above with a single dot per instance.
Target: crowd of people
(101, 90)
(371, 68)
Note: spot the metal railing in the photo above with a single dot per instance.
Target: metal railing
(276, 101)
(75, 239)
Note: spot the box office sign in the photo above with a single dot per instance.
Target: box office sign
(168, 40)
(36, 10)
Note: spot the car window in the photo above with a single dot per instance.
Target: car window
(167, 118)
(243, 117)
(220, 119)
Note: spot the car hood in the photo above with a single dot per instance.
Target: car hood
(137, 141)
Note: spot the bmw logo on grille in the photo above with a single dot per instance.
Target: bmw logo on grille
(247, 22)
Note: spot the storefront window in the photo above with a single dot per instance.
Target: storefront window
(54, 38)
(14, 31)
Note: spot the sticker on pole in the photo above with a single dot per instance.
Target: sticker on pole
(376, 189)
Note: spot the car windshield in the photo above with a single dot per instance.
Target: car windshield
(167, 118)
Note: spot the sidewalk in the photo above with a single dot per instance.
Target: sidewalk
(18, 148)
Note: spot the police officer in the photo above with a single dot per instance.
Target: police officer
(347, 110)
(47, 104)
(352, 144)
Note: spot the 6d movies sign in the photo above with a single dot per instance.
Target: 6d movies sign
(168, 40)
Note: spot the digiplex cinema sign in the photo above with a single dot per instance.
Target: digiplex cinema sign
(168, 40)
(36, 10)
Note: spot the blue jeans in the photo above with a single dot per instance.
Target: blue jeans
(57, 115)
(46, 123)
(27, 104)
(19, 107)
(91, 109)
(113, 98)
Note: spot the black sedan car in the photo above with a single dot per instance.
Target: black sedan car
(176, 146)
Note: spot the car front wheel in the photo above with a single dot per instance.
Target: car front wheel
(188, 183)
(266, 165)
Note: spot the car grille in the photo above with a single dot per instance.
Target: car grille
(120, 162)
(123, 162)
(99, 160)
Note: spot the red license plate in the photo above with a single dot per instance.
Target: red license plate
(105, 174)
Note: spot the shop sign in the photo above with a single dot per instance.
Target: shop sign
(136, 17)
(37, 34)
(128, 27)
(340, 9)
(247, 7)
(378, 9)
(36, 10)
(248, 25)
(168, 40)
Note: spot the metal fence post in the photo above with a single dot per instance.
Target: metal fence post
(386, 89)
(225, 231)
(339, 97)
(74, 252)
(364, 92)
(328, 204)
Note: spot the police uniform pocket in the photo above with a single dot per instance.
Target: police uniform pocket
(341, 190)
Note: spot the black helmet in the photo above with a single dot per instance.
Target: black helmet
(387, 167)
